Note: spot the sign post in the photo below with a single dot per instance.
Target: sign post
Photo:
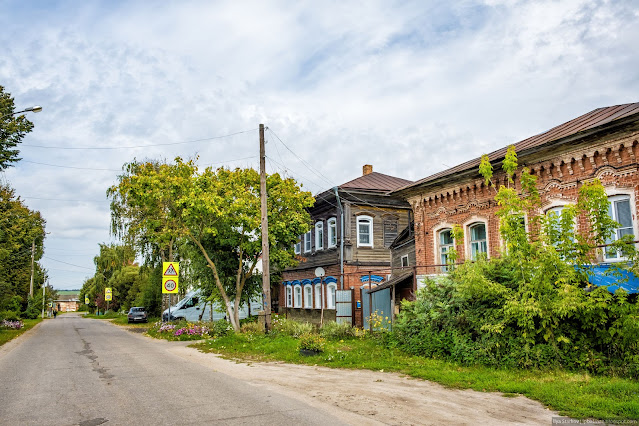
(170, 280)
(108, 296)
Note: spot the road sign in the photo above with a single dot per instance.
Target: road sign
(170, 277)
(50, 304)
(86, 300)
(169, 285)
(108, 294)
(170, 269)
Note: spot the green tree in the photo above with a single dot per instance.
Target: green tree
(161, 204)
(12, 130)
(20, 227)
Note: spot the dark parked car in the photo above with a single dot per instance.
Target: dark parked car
(137, 314)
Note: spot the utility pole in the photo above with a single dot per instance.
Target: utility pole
(266, 279)
(32, 267)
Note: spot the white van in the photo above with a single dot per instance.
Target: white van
(191, 307)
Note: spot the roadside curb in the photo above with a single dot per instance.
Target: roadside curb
(11, 344)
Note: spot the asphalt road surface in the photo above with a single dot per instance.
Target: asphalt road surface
(76, 371)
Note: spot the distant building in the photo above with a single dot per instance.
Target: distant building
(67, 300)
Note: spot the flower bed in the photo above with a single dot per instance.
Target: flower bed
(181, 331)
(11, 325)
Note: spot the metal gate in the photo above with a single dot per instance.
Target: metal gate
(344, 306)
(381, 301)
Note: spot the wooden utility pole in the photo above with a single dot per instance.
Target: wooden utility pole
(266, 279)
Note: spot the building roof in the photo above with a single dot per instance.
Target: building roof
(589, 121)
(375, 181)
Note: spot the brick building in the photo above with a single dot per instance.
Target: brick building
(601, 144)
(354, 225)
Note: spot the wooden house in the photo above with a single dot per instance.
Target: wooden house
(353, 227)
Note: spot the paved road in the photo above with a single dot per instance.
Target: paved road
(76, 371)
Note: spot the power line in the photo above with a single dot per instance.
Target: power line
(67, 263)
(71, 167)
(138, 146)
(64, 199)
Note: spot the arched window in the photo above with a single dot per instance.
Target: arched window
(330, 296)
(318, 296)
(446, 244)
(319, 235)
(478, 244)
(332, 232)
(297, 296)
(308, 296)
(619, 210)
(289, 296)
(364, 231)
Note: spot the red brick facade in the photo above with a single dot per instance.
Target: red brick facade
(608, 154)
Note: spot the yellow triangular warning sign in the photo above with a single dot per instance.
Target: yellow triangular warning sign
(170, 271)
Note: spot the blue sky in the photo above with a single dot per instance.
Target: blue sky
(410, 87)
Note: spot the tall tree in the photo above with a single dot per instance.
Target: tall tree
(20, 227)
(164, 203)
(12, 129)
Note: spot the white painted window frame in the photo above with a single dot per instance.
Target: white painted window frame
(289, 296)
(614, 197)
(297, 296)
(402, 261)
(368, 220)
(318, 296)
(319, 235)
(307, 242)
(467, 236)
(308, 296)
(332, 232)
(331, 290)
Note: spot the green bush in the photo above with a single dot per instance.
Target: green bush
(9, 316)
(290, 327)
(332, 330)
(311, 342)
(221, 328)
(252, 328)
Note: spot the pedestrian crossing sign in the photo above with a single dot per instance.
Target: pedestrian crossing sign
(170, 269)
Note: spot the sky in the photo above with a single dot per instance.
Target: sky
(411, 88)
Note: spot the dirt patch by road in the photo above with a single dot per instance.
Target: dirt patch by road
(370, 397)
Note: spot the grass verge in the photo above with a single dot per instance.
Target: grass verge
(577, 395)
(7, 334)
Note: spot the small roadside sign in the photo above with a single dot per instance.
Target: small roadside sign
(50, 304)
(86, 300)
(108, 294)
(170, 277)
(169, 285)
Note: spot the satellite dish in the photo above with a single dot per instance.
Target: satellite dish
(320, 272)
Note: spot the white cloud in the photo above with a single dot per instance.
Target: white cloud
(410, 87)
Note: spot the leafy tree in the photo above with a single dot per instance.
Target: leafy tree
(20, 227)
(12, 130)
(160, 204)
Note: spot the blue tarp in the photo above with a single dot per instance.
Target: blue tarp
(614, 278)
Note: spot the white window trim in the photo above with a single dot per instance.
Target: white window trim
(297, 296)
(297, 247)
(362, 219)
(615, 195)
(330, 295)
(308, 296)
(402, 261)
(307, 242)
(318, 296)
(332, 232)
(319, 239)
(289, 296)
(473, 221)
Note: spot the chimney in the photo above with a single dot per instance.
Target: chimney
(368, 169)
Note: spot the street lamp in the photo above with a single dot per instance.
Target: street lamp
(34, 109)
